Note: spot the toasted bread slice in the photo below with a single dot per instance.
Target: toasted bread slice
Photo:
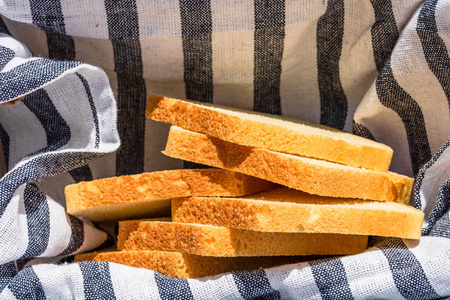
(208, 240)
(287, 210)
(310, 175)
(183, 265)
(149, 194)
(277, 133)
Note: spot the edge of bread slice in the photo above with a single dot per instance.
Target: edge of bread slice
(277, 133)
(184, 265)
(217, 241)
(149, 194)
(287, 210)
(310, 175)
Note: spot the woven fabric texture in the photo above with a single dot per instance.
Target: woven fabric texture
(84, 69)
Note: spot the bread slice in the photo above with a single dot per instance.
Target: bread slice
(310, 175)
(287, 210)
(149, 194)
(208, 240)
(183, 265)
(281, 134)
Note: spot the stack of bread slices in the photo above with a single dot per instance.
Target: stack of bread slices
(282, 189)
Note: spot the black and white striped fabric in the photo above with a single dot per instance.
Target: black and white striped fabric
(83, 71)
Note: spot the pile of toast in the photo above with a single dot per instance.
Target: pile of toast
(281, 190)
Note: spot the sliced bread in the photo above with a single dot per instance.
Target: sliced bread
(149, 194)
(310, 175)
(278, 133)
(183, 265)
(287, 210)
(231, 242)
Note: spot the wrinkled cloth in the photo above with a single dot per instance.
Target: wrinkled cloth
(84, 69)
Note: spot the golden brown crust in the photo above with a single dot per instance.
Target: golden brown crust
(282, 134)
(122, 197)
(183, 265)
(309, 175)
(231, 242)
(286, 210)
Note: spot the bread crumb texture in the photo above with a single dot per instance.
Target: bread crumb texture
(218, 241)
(287, 210)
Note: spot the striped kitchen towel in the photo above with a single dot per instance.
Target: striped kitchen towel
(82, 71)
